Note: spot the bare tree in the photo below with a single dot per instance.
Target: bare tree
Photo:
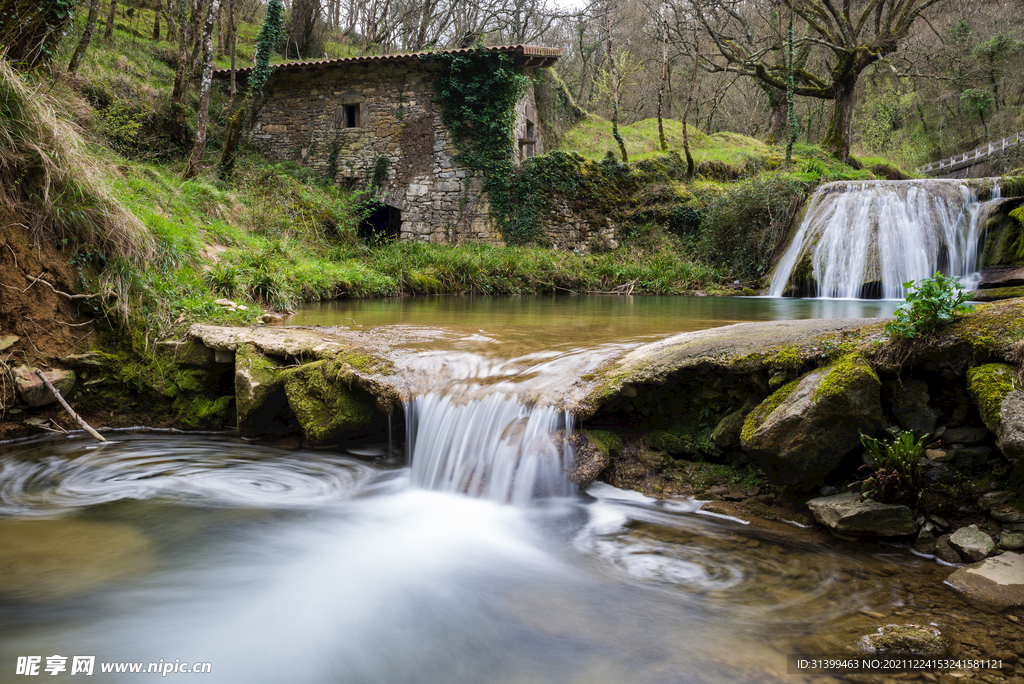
(196, 158)
(664, 75)
(156, 22)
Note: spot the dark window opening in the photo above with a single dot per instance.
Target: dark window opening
(350, 117)
(384, 223)
(527, 144)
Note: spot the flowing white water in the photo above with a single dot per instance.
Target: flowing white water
(865, 239)
(494, 447)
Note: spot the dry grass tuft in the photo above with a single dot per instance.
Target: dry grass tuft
(47, 177)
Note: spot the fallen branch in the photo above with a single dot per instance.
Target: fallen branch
(65, 294)
(67, 408)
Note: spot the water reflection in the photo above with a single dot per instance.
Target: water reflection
(534, 323)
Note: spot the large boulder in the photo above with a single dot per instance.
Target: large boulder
(997, 581)
(326, 401)
(849, 514)
(802, 431)
(34, 391)
(1001, 406)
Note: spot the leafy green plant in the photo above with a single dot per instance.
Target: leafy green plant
(930, 303)
(897, 475)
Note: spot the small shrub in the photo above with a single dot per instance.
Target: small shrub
(931, 303)
(224, 278)
(897, 475)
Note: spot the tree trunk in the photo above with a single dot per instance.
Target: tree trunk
(779, 114)
(199, 147)
(220, 34)
(690, 165)
(615, 84)
(837, 139)
(233, 39)
(169, 16)
(184, 33)
(83, 44)
(197, 35)
(790, 107)
(664, 76)
(108, 33)
(156, 22)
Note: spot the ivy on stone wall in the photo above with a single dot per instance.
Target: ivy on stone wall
(479, 92)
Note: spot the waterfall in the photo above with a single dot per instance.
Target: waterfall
(865, 239)
(492, 446)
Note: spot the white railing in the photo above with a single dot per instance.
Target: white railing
(958, 161)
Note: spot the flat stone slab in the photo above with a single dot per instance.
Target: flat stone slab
(997, 581)
(847, 513)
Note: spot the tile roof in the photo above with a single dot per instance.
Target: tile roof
(541, 56)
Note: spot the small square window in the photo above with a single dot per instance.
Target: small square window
(350, 116)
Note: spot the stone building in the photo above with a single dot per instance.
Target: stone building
(373, 120)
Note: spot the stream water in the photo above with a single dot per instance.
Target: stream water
(288, 565)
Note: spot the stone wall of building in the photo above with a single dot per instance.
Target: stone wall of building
(306, 115)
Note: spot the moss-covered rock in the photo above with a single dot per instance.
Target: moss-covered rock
(996, 294)
(326, 401)
(260, 400)
(1001, 406)
(1004, 237)
(989, 385)
(801, 432)
(593, 451)
(918, 640)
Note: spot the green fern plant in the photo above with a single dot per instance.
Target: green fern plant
(897, 474)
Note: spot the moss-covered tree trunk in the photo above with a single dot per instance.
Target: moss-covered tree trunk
(195, 160)
(837, 139)
(83, 44)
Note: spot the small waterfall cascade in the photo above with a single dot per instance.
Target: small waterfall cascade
(492, 446)
(863, 240)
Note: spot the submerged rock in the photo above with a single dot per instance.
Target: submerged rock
(971, 543)
(847, 513)
(802, 432)
(904, 640)
(51, 559)
(997, 581)
(34, 391)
